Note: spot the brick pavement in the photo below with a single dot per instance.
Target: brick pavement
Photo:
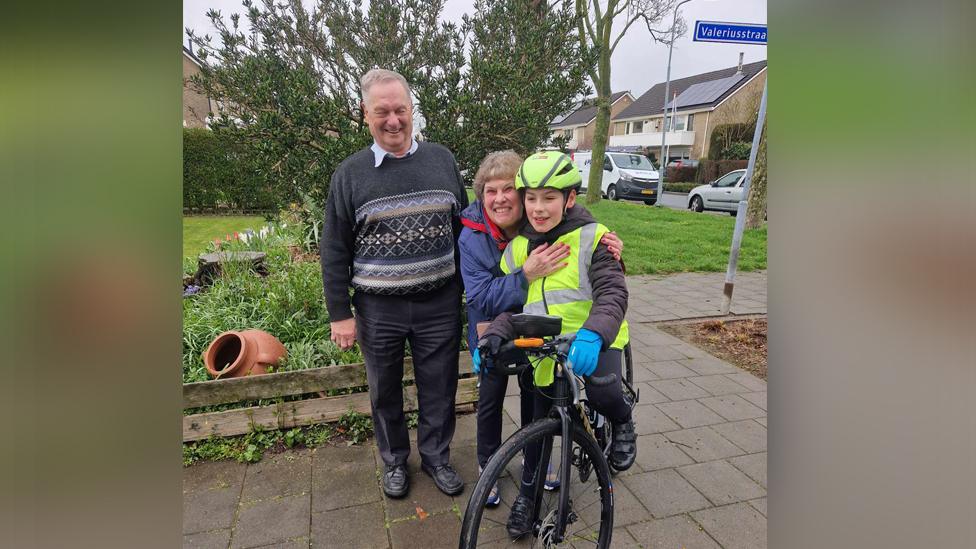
(699, 480)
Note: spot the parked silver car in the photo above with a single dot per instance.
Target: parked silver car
(722, 195)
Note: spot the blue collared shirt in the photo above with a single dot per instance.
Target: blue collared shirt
(379, 154)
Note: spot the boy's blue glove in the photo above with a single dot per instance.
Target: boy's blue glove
(476, 361)
(484, 355)
(585, 352)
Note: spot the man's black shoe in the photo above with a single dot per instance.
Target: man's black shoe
(396, 483)
(623, 452)
(520, 519)
(445, 477)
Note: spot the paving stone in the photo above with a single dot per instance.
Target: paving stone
(465, 461)
(733, 407)
(718, 385)
(748, 381)
(643, 374)
(753, 465)
(423, 493)
(210, 505)
(736, 526)
(703, 444)
(720, 482)
(649, 420)
(689, 351)
(627, 507)
(759, 504)
(337, 483)
(689, 413)
(657, 452)
(216, 539)
(660, 352)
(427, 533)
(210, 475)
(465, 430)
(650, 395)
(665, 493)
(707, 365)
(758, 398)
(669, 369)
(360, 527)
(299, 543)
(270, 521)
(679, 389)
(284, 474)
(677, 532)
(746, 434)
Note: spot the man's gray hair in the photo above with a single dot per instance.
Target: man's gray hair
(376, 76)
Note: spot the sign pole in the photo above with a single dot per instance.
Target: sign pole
(740, 216)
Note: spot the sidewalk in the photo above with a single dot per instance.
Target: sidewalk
(699, 480)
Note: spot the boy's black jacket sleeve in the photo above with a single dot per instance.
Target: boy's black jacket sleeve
(609, 296)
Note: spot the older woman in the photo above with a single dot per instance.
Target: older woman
(489, 223)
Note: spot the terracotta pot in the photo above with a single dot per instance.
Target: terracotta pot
(244, 353)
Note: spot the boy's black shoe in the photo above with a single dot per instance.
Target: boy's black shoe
(520, 519)
(396, 482)
(445, 477)
(623, 452)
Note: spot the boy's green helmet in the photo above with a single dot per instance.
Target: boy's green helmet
(551, 169)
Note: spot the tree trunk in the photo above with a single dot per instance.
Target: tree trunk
(756, 214)
(595, 185)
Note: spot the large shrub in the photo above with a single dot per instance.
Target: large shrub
(710, 170)
(679, 175)
(724, 135)
(216, 174)
(738, 150)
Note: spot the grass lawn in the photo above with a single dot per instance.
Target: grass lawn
(200, 230)
(662, 240)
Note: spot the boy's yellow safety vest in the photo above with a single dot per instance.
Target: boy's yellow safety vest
(568, 293)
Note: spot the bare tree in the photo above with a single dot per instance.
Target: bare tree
(596, 20)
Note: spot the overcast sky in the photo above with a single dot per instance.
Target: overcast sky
(637, 63)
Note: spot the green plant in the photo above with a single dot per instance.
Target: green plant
(356, 427)
(412, 419)
(738, 150)
(294, 436)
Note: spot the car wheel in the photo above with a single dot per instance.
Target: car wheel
(733, 213)
(612, 192)
(650, 202)
(696, 204)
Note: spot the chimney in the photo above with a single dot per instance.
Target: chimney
(739, 69)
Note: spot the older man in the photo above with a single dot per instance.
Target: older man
(391, 228)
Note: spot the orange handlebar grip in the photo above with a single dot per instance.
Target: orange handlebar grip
(529, 342)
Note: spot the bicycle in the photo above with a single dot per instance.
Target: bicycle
(567, 515)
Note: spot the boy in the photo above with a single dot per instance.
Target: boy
(590, 295)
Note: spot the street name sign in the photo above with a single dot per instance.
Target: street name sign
(730, 33)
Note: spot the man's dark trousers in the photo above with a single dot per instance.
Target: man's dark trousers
(431, 322)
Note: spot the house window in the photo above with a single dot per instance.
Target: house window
(620, 128)
(691, 122)
(637, 127)
(678, 124)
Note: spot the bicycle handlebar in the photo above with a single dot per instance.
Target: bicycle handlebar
(556, 348)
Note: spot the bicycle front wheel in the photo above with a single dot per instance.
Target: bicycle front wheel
(591, 492)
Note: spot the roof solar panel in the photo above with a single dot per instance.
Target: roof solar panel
(705, 92)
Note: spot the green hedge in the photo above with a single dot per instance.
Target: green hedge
(679, 187)
(680, 174)
(710, 170)
(216, 176)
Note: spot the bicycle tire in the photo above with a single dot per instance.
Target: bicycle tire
(628, 364)
(473, 532)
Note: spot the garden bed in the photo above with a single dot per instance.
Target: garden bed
(740, 342)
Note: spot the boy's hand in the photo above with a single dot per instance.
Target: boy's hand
(545, 260)
(585, 352)
(614, 244)
(484, 355)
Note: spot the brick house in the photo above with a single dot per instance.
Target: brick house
(579, 123)
(196, 106)
(700, 103)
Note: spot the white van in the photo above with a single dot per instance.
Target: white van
(625, 175)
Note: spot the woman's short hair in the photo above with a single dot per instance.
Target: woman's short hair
(497, 165)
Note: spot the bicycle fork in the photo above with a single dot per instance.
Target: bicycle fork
(565, 460)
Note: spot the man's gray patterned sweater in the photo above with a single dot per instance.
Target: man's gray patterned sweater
(391, 229)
